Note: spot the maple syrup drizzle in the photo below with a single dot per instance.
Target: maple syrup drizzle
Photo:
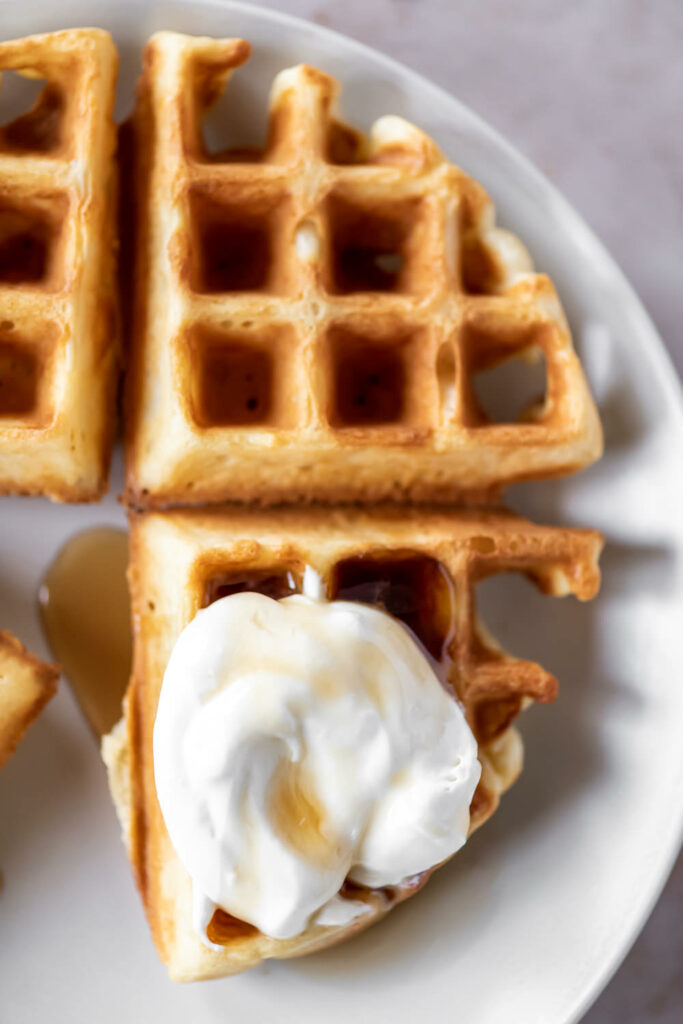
(411, 587)
(85, 611)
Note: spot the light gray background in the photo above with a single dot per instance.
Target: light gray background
(592, 92)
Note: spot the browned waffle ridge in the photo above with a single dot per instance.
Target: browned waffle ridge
(421, 564)
(26, 685)
(310, 319)
(58, 305)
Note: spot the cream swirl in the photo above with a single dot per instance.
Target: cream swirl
(301, 742)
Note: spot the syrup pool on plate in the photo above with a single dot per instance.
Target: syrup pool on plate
(85, 610)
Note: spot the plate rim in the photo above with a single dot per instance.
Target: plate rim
(651, 343)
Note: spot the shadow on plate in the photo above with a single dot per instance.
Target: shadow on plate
(38, 787)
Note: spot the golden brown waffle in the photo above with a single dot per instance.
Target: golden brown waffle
(311, 319)
(26, 685)
(420, 564)
(58, 319)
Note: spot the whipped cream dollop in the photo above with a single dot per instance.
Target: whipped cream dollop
(299, 743)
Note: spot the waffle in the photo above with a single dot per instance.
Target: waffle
(312, 321)
(26, 685)
(58, 320)
(422, 565)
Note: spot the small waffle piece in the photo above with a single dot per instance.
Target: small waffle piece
(419, 564)
(26, 685)
(311, 319)
(58, 321)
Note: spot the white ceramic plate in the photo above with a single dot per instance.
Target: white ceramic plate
(529, 921)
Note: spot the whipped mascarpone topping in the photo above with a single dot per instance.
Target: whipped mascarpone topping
(301, 742)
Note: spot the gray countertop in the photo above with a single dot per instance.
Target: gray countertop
(592, 92)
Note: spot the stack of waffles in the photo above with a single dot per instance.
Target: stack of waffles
(58, 303)
(307, 324)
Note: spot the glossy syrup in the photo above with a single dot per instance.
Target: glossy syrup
(85, 611)
(411, 587)
(275, 584)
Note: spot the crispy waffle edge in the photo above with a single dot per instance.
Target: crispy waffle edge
(26, 685)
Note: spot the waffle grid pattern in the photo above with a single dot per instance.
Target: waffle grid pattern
(335, 293)
(426, 575)
(436, 597)
(182, 560)
(56, 268)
